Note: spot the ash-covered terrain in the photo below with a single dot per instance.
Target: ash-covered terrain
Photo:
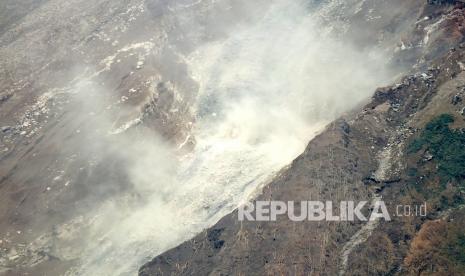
(128, 128)
(404, 146)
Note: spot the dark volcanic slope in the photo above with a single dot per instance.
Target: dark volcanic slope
(359, 157)
(331, 168)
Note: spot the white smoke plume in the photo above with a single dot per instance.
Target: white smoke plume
(267, 85)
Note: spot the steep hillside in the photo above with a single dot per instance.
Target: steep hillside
(131, 129)
(399, 147)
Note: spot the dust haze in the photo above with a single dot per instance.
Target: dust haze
(270, 76)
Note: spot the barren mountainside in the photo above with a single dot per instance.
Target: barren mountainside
(131, 131)
(365, 154)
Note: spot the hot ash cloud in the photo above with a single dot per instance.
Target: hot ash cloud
(267, 85)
